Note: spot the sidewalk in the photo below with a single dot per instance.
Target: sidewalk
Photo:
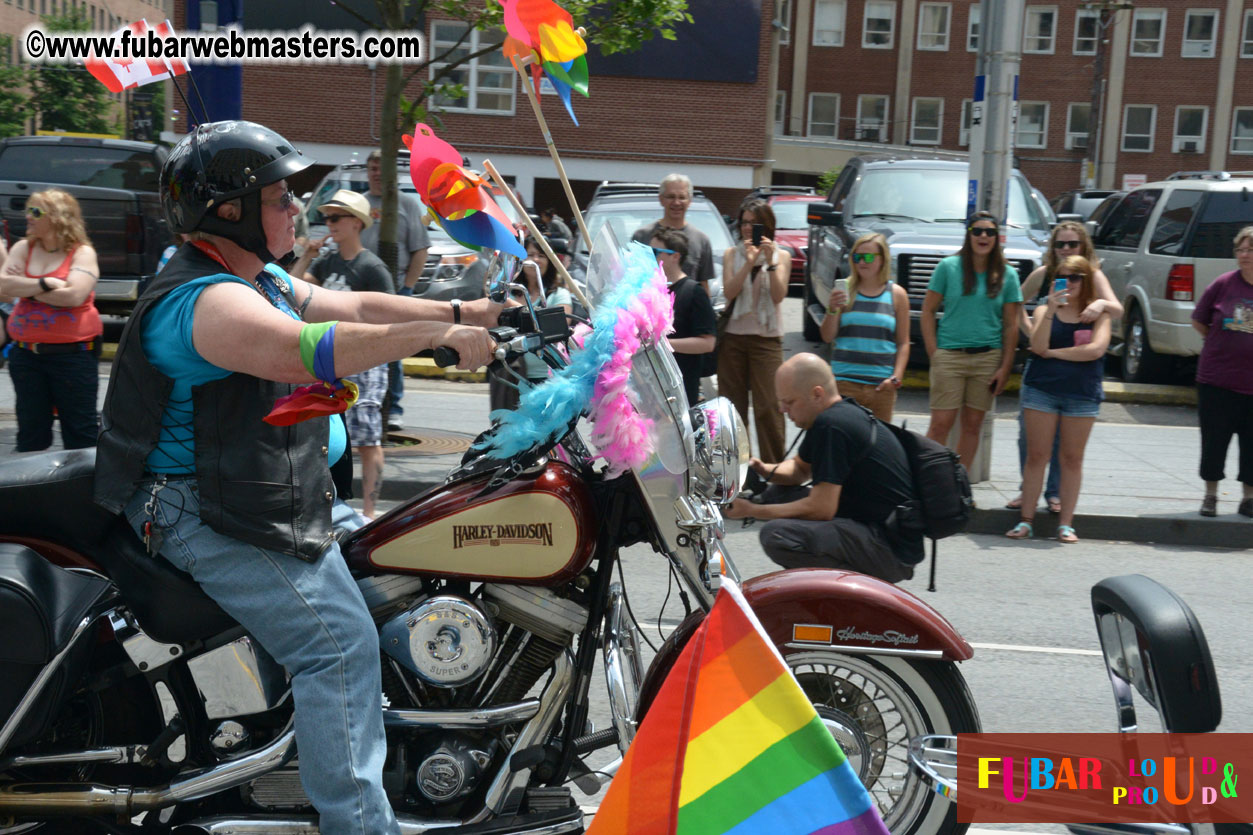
(1140, 482)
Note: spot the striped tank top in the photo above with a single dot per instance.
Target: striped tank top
(865, 345)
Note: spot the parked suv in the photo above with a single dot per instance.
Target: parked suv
(1161, 246)
(629, 206)
(1082, 202)
(452, 271)
(919, 204)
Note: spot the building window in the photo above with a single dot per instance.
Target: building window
(1078, 118)
(879, 24)
(972, 29)
(933, 21)
(872, 118)
(1246, 43)
(924, 127)
(487, 80)
(824, 114)
(785, 21)
(1199, 31)
(1033, 124)
(1148, 30)
(1138, 122)
(1190, 126)
(1087, 31)
(829, 23)
(780, 112)
(1242, 131)
(1041, 30)
(963, 133)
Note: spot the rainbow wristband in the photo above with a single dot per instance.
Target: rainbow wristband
(317, 350)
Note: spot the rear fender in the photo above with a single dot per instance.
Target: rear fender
(818, 608)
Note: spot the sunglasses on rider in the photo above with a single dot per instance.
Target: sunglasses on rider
(1065, 244)
(864, 257)
(976, 231)
(660, 251)
(283, 202)
(35, 212)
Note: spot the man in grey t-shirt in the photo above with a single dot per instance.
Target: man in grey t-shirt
(412, 244)
(675, 195)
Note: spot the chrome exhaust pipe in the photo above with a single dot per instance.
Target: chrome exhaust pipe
(44, 799)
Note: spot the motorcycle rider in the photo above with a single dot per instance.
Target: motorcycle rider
(245, 507)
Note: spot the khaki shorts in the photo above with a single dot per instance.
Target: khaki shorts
(959, 379)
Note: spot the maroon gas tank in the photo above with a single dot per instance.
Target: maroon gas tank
(537, 530)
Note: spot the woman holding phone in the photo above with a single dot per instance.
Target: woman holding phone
(1061, 390)
(868, 321)
(755, 275)
(1067, 238)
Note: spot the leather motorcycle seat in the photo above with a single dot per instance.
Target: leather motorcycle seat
(49, 496)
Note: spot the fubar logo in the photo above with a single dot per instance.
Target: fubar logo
(464, 536)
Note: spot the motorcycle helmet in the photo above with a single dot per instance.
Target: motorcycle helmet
(221, 161)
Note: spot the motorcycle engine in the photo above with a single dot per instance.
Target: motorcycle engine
(445, 640)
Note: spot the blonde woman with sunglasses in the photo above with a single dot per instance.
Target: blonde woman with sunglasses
(1068, 238)
(55, 327)
(869, 325)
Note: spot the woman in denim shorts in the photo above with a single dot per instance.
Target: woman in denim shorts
(1061, 390)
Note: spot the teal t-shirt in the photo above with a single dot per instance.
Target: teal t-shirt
(167, 342)
(973, 321)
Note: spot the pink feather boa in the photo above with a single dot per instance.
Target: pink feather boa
(619, 431)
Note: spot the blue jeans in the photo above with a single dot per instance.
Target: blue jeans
(1052, 484)
(66, 382)
(312, 618)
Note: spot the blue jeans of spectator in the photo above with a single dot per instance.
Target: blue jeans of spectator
(1052, 484)
(66, 382)
(312, 619)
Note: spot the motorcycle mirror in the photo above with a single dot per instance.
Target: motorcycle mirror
(1153, 643)
(500, 269)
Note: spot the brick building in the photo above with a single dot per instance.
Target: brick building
(104, 15)
(634, 126)
(1177, 96)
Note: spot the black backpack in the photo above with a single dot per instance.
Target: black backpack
(941, 483)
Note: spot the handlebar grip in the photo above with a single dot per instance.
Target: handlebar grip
(445, 356)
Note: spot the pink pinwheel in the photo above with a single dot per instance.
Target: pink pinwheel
(460, 200)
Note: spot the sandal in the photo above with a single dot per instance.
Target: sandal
(1023, 530)
(1065, 533)
(1014, 503)
(1055, 505)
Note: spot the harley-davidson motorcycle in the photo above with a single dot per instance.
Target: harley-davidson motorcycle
(130, 701)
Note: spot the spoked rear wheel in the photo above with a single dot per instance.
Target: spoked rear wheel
(873, 707)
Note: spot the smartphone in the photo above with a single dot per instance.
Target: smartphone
(840, 284)
(1061, 285)
(759, 229)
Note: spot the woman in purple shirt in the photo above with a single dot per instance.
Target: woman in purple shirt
(1224, 375)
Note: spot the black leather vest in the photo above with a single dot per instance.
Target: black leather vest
(265, 485)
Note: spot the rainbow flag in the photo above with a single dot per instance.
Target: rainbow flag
(732, 745)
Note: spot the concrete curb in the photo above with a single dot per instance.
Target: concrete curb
(1232, 532)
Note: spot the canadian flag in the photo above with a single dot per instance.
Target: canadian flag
(120, 74)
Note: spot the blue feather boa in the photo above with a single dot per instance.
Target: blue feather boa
(546, 410)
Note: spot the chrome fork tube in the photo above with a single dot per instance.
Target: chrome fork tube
(623, 672)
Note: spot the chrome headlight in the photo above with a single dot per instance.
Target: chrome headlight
(721, 450)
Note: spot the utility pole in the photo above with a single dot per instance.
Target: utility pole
(994, 108)
(1104, 10)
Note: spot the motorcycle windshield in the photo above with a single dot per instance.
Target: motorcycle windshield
(656, 385)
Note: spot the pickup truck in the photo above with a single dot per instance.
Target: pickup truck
(115, 182)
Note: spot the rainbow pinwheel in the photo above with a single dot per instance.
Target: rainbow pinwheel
(461, 201)
(545, 31)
